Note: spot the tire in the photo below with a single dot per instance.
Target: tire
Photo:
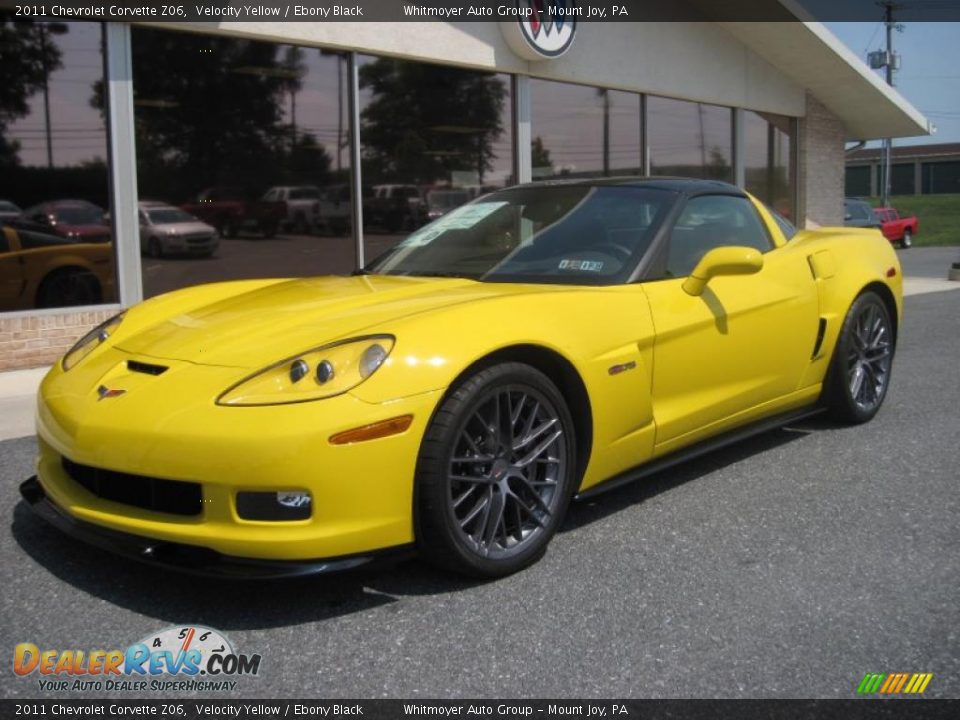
(907, 240)
(268, 230)
(228, 228)
(859, 373)
(526, 474)
(300, 225)
(68, 287)
(154, 248)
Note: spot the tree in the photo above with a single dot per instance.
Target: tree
(718, 168)
(212, 115)
(540, 156)
(425, 122)
(27, 56)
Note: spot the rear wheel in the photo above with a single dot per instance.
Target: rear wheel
(860, 370)
(495, 473)
(69, 287)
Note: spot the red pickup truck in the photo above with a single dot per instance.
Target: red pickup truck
(898, 230)
(230, 211)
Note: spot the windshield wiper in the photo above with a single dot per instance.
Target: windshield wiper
(362, 271)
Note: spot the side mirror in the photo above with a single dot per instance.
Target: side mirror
(848, 216)
(731, 260)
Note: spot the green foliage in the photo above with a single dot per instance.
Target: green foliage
(424, 122)
(209, 112)
(540, 155)
(27, 55)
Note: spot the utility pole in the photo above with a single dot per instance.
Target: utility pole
(890, 62)
(888, 144)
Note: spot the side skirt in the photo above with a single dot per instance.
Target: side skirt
(701, 448)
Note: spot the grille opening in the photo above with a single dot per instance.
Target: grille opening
(146, 368)
(167, 496)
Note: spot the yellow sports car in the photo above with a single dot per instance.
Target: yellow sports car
(540, 343)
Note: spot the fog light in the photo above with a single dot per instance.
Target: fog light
(274, 506)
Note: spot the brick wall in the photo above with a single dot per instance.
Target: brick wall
(27, 342)
(821, 166)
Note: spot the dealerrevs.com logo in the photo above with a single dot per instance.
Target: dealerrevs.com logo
(182, 658)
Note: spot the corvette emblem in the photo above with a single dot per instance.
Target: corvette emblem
(104, 392)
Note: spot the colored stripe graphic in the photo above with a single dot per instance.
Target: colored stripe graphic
(870, 683)
(894, 684)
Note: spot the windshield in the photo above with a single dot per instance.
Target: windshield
(166, 216)
(79, 215)
(572, 234)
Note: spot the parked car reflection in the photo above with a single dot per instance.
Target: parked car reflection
(42, 270)
(168, 230)
(233, 210)
(9, 211)
(77, 220)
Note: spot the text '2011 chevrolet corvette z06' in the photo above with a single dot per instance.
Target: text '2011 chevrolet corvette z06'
(542, 342)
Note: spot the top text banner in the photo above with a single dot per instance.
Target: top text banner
(545, 11)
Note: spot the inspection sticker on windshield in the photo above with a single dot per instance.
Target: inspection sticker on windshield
(463, 218)
(582, 265)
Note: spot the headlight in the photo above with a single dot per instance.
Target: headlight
(89, 342)
(313, 375)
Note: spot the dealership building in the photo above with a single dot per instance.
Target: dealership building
(312, 146)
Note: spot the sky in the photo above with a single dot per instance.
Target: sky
(929, 76)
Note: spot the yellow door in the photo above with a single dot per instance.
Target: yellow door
(11, 270)
(744, 343)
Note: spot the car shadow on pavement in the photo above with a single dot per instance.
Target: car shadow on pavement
(600, 506)
(224, 604)
(248, 605)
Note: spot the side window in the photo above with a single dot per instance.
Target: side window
(786, 227)
(712, 221)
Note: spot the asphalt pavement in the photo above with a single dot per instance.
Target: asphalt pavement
(786, 566)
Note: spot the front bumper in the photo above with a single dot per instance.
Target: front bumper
(190, 558)
(166, 427)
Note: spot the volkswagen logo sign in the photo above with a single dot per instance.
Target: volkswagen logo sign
(543, 29)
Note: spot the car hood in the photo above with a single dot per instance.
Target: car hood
(258, 327)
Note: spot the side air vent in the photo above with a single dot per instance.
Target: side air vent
(145, 368)
(821, 331)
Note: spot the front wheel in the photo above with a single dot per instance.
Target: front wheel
(154, 248)
(859, 372)
(495, 473)
(907, 239)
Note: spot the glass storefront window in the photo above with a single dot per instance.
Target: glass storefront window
(688, 139)
(56, 246)
(242, 159)
(431, 139)
(768, 160)
(581, 131)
